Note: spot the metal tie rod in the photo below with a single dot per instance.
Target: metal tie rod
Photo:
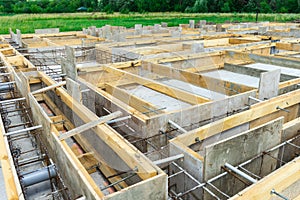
(12, 100)
(7, 83)
(119, 119)
(4, 74)
(169, 159)
(23, 130)
(177, 126)
(255, 99)
(237, 171)
(51, 87)
(283, 109)
(273, 191)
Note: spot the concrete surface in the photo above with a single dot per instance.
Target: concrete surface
(2, 185)
(233, 77)
(158, 99)
(194, 89)
(268, 67)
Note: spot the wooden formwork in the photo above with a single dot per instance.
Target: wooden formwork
(255, 116)
(74, 169)
(245, 121)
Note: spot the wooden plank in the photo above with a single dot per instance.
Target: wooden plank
(279, 180)
(297, 198)
(58, 121)
(256, 111)
(89, 125)
(125, 150)
(115, 101)
(131, 100)
(88, 161)
(294, 110)
(162, 88)
(12, 185)
(288, 46)
(210, 83)
(289, 83)
(51, 87)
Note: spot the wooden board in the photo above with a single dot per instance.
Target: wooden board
(282, 180)
(258, 110)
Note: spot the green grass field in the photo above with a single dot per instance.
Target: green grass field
(76, 21)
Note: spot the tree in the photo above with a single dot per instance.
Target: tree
(265, 7)
(200, 6)
(225, 8)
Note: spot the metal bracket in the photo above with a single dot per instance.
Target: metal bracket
(283, 109)
(273, 191)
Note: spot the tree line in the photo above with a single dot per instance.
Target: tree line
(126, 6)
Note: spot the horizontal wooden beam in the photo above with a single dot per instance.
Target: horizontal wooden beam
(279, 180)
(289, 83)
(256, 111)
(209, 83)
(133, 101)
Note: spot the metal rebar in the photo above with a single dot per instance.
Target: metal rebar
(175, 174)
(217, 189)
(119, 119)
(255, 99)
(283, 109)
(190, 190)
(117, 182)
(268, 154)
(211, 193)
(153, 111)
(12, 100)
(177, 126)
(235, 175)
(246, 170)
(169, 159)
(294, 145)
(7, 83)
(273, 191)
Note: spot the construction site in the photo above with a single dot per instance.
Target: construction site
(194, 112)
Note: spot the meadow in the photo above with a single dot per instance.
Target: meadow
(76, 21)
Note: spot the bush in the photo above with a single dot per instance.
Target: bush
(124, 11)
(35, 9)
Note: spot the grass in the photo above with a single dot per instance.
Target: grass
(76, 21)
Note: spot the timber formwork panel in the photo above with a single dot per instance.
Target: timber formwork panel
(196, 129)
